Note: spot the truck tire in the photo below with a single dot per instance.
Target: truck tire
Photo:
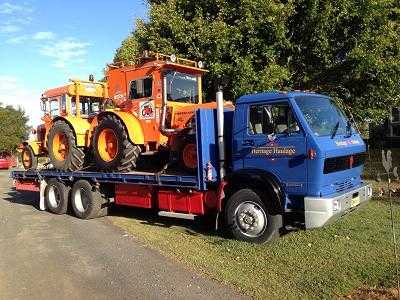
(28, 158)
(112, 149)
(56, 197)
(247, 218)
(63, 151)
(86, 203)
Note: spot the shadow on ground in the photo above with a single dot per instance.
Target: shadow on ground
(201, 225)
(23, 198)
(204, 225)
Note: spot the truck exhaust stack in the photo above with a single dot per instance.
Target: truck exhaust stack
(220, 131)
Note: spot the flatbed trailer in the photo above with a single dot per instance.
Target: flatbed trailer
(251, 180)
(174, 193)
(116, 186)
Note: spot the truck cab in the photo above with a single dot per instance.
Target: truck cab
(303, 143)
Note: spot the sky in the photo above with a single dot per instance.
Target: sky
(44, 43)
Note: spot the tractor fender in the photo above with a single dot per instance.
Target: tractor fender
(257, 180)
(80, 127)
(131, 123)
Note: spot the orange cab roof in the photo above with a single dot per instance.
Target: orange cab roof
(155, 63)
(59, 91)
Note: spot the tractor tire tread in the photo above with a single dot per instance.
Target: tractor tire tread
(76, 160)
(130, 152)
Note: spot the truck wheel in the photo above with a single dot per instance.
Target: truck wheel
(56, 197)
(86, 203)
(28, 158)
(112, 149)
(248, 219)
(63, 152)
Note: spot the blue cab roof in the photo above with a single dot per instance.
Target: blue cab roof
(270, 96)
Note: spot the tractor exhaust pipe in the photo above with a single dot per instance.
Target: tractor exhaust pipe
(220, 131)
(163, 129)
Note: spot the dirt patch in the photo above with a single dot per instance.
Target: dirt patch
(368, 293)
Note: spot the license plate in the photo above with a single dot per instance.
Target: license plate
(355, 201)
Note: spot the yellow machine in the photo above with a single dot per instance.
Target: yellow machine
(65, 135)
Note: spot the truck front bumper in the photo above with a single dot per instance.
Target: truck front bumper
(320, 211)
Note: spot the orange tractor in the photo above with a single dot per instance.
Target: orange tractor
(66, 132)
(156, 100)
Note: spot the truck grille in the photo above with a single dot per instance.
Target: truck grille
(341, 163)
(342, 186)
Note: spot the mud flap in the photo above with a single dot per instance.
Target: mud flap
(42, 203)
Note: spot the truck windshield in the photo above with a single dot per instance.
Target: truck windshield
(182, 87)
(88, 105)
(54, 107)
(322, 115)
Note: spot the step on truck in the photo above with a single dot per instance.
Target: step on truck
(275, 155)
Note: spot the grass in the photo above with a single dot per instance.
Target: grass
(356, 251)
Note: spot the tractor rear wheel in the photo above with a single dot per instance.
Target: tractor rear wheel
(113, 151)
(188, 154)
(28, 158)
(63, 152)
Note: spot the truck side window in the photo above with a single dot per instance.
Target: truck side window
(141, 88)
(276, 118)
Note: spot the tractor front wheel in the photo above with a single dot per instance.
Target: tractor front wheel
(113, 151)
(28, 158)
(63, 152)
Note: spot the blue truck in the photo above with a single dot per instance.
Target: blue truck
(275, 155)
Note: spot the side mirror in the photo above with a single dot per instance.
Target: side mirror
(43, 105)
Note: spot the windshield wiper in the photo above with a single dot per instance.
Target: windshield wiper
(335, 129)
(349, 129)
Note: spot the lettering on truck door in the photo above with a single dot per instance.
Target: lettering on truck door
(274, 142)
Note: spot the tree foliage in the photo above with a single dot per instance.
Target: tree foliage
(13, 128)
(346, 48)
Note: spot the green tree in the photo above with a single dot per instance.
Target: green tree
(240, 41)
(13, 127)
(348, 49)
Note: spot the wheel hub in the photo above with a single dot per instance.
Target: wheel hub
(107, 145)
(26, 159)
(60, 146)
(54, 197)
(251, 219)
(190, 156)
(248, 219)
(81, 200)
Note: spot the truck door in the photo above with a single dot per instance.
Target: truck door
(274, 142)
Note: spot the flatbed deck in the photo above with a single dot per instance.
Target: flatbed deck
(166, 179)
(207, 157)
